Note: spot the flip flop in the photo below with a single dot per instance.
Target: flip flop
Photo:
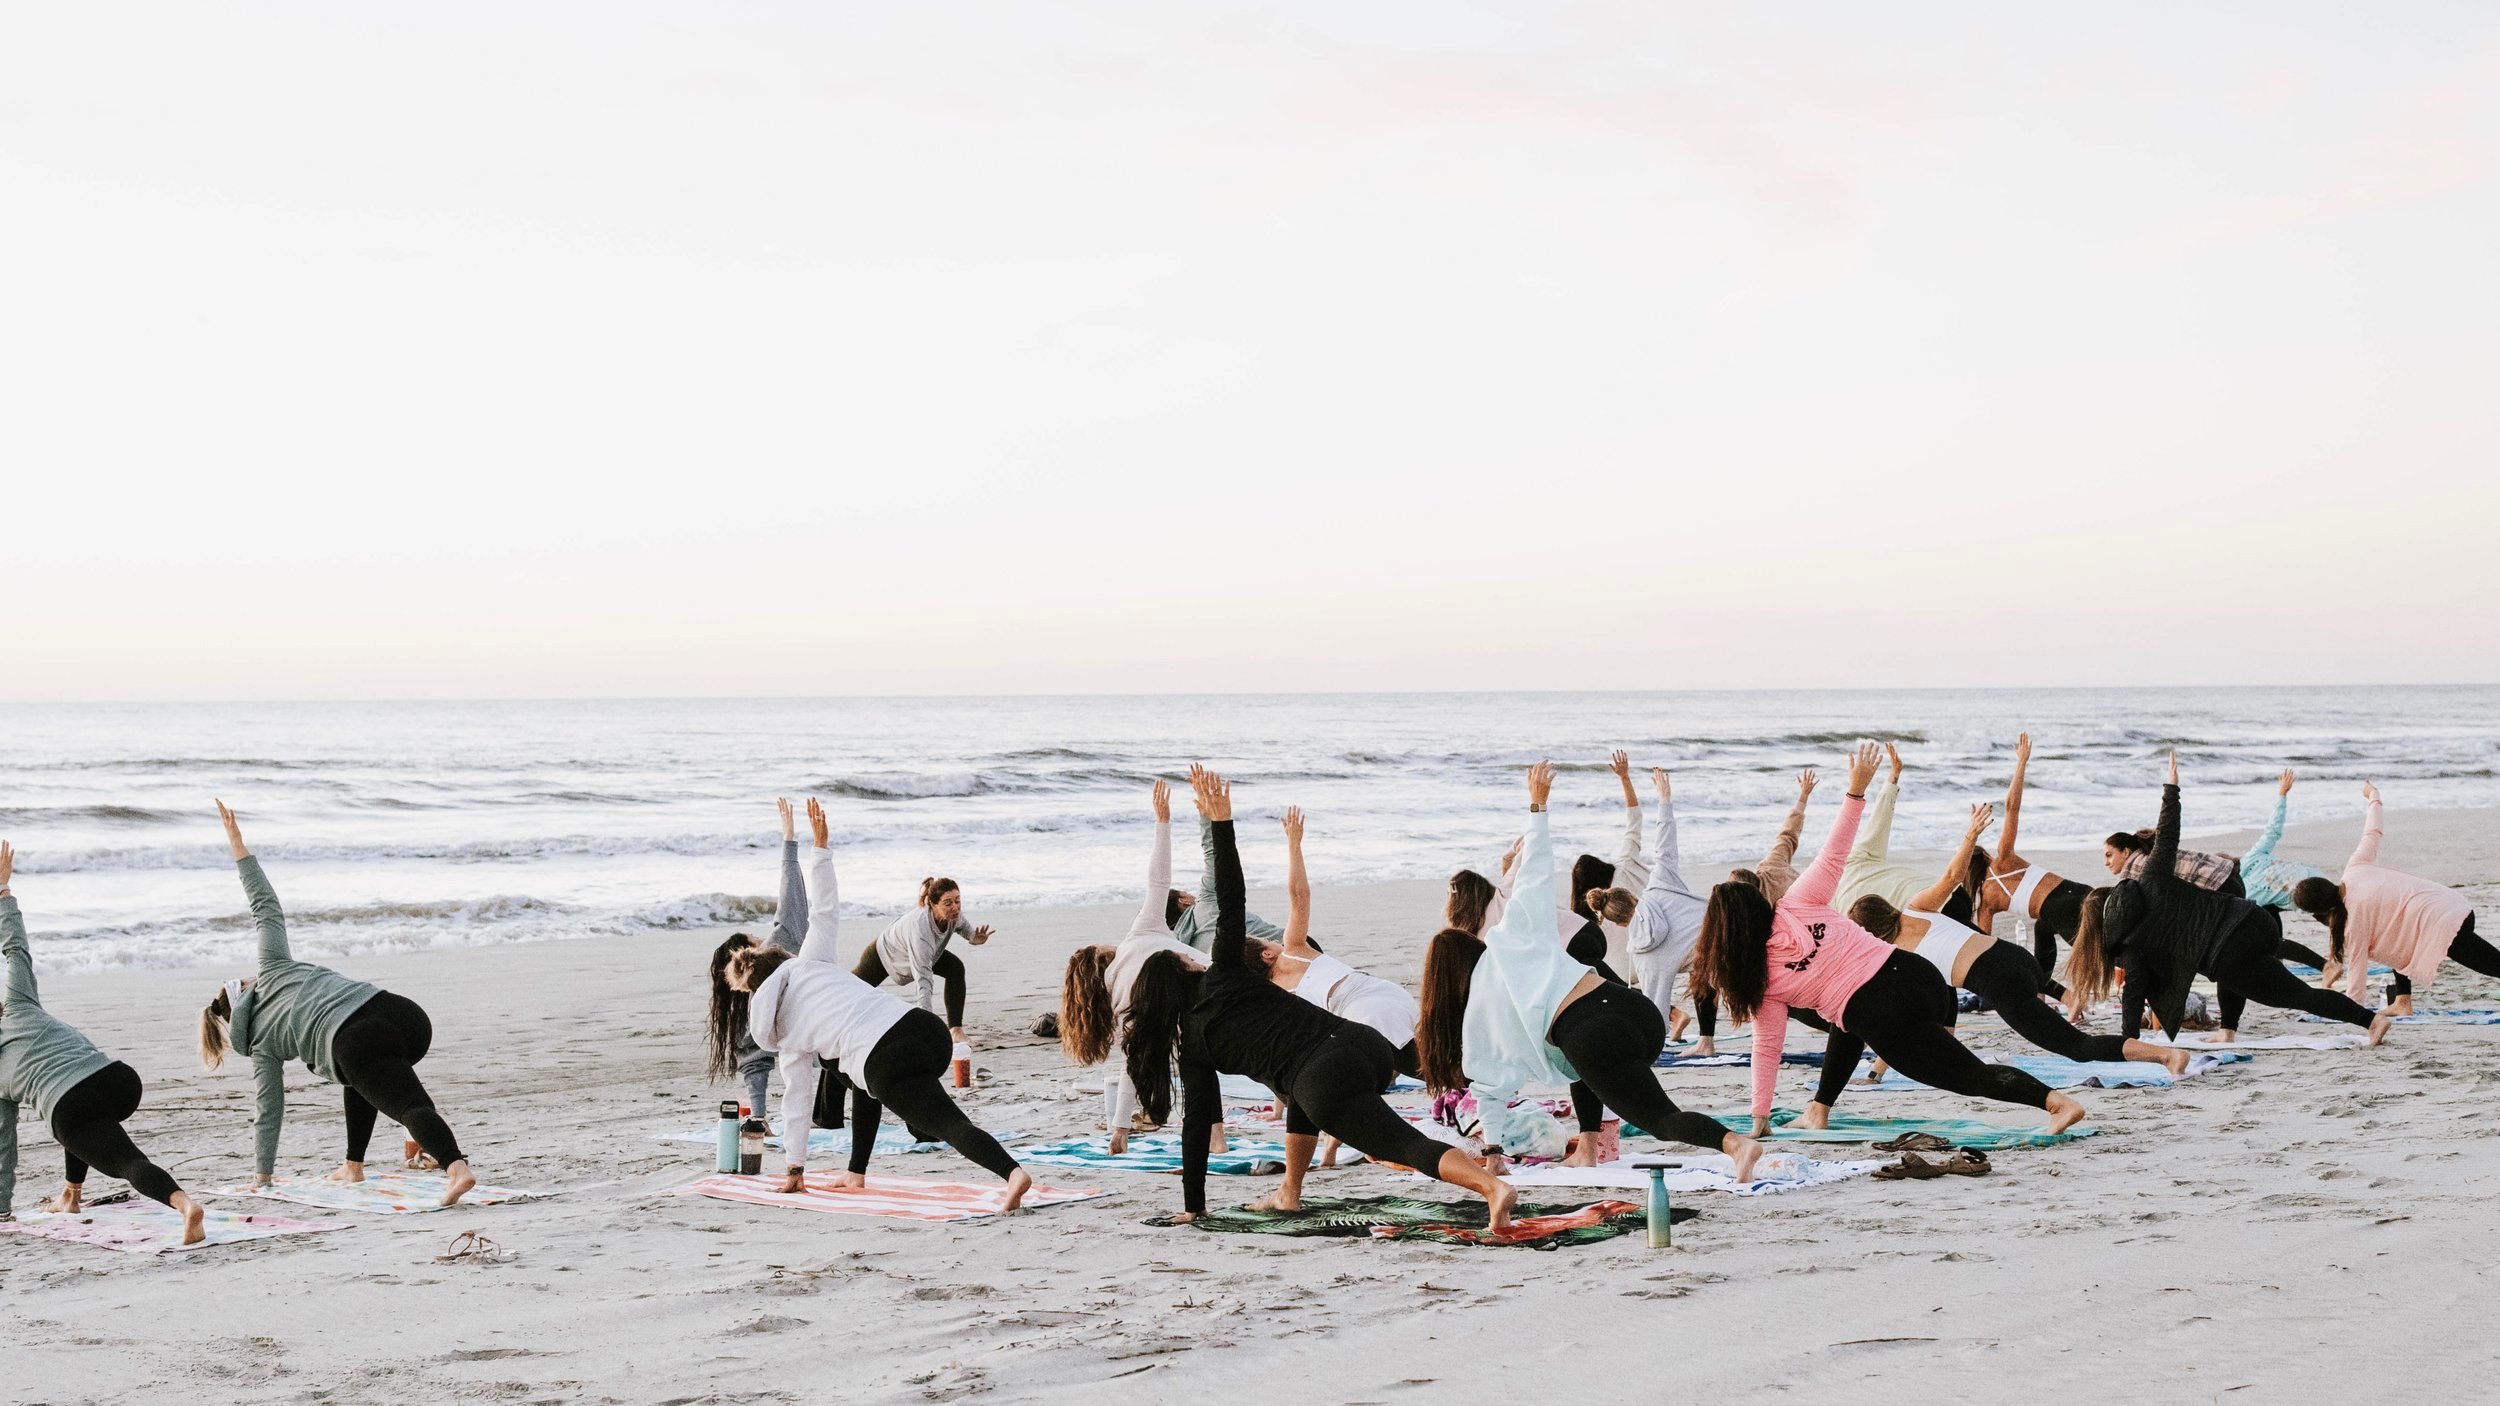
(1969, 1162)
(1911, 1167)
(1914, 1142)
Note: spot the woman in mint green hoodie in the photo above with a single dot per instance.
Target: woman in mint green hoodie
(51, 1070)
(359, 1035)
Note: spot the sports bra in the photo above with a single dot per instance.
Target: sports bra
(1320, 978)
(2018, 896)
(1942, 942)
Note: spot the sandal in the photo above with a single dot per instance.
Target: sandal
(1969, 1162)
(1911, 1167)
(1914, 1142)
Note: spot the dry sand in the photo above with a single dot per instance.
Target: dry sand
(2313, 1226)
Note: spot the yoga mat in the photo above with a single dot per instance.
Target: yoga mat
(2298, 969)
(2269, 1042)
(1437, 1222)
(1160, 1152)
(891, 1198)
(2061, 1073)
(1241, 1088)
(2453, 1015)
(146, 1228)
(1859, 1127)
(837, 1141)
(380, 1193)
(1671, 1060)
(1710, 1172)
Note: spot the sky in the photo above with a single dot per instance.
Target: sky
(558, 350)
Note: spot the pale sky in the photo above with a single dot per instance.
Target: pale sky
(596, 349)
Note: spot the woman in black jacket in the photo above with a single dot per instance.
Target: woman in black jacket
(2164, 932)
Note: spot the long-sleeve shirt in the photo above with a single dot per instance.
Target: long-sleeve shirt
(1870, 868)
(1243, 1023)
(1778, 866)
(293, 1010)
(2180, 932)
(2395, 918)
(813, 1009)
(1815, 957)
(1520, 984)
(2269, 880)
(1631, 872)
(910, 949)
(1147, 935)
(1199, 921)
(755, 1063)
(1667, 921)
(41, 1058)
(2202, 868)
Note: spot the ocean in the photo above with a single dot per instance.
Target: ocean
(393, 826)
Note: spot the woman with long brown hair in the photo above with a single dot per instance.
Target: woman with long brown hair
(729, 1047)
(2379, 914)
(1763, 960)
(1511, 1011)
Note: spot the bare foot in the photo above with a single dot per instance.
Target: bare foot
(2402, 1005)
(194, 1220)
(2379, 1026)
(1744, 1152)
(415, 1158)
(68, 1202)
(1500, 1205)
(1583, 1151)
(462, 1179)
(2176, 1061)
(1816, 1117)
(1676, 1021)
(1280, 1199)
(1706, 1047)
(1328, 1153)
(2330, 974)
(349, 1172)
(1118, 1143)
(1013, 1197)
(2064, 1113)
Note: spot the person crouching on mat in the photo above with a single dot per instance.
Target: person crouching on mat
(1233, 1019)
(364, 1038)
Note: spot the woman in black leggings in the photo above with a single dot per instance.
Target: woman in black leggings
(365, 1038)
(46, 1066)
(2165, 932)
(1234, 1020)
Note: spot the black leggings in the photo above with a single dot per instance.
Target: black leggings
(906, 1070)
(2468, 950)
(2248, 969)
(87, 1122)
(2006, 977)
(1905, 1013)
(1612, 1036)
(2061, 913)
(1402, 1060)
(2234, 1005)
(1588, 948)
(1337, 1092)
(948, 969)
(376, 1054)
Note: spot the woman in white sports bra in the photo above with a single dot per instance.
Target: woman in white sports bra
(2000, 973)
(1333, 986)
(2050, 904)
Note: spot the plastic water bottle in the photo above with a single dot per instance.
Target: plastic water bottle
(963, 1066)
(729, 1116)
(751, 1148)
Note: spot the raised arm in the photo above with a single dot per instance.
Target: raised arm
(1215, 803)
(2162, 866)
(1149, 921)
(2373, 816)
(790, 914)
(21, 984)
(1875, 842)
(1783, 851)
(1815, 887)
(1957, 868)
(1631, 864)
(2014, 803)
(266, 914)
(1531, 921)
(1297, 889)
(824, 894)
(1666, 865)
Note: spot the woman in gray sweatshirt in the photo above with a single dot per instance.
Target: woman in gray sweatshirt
(358, 1035)
(47, 1068)
(731, 1046)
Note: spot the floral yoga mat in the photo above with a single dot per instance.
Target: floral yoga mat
(146, 1228)
(1159, 1152)
(379, 1194)
(895, 1198)
(1436, 1222)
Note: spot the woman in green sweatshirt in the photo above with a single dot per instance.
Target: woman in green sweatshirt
(51, 1070)
(358, 1035)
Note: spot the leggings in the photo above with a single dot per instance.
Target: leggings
(87, 1122)
(2247, 968)
(1402, 1060)
(948, 969)
(905, 1070)
(2234, 1004)
(1337, 1092)
(1904, 1012)
(2469, 951)
(1612, 1036)
(1588, 948)
(2007, 978)
(376, 1054)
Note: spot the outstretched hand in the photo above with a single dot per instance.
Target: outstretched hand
(2369, 791)
(980, 934)
(1293, 826)
(1622, 763)
(2022, 746)
(8, 863)
(1666, 788)
(1540, 784)
(816, 823)
(1982, 816)
(2174, 766)
(1895, 754)
(1213, 793)
(1862, 763)
(1163, 802)
(789, 819)
(2283, 787)
(234, 832)
(1805, 783)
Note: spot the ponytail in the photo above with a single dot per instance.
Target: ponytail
(1608, 905)
(2087, 967)
(1590, 876)
(933, 888)
(1150, 1033)
(1876, 914)
(2323, 899)
(213, 1018)
(1085, 1026)
(1441, 1021)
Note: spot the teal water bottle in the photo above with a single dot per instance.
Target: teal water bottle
(727, 1161)
(1661, 1213)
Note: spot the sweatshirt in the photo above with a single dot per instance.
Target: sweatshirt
(812, 1008)
(1816, 957)
(2406, 922)
(293, 1010)
(41, 1059)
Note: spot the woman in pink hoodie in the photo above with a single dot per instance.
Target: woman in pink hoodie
(1761, 961)
(2379, 915)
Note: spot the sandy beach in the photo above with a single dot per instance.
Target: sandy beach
(2308, 1226)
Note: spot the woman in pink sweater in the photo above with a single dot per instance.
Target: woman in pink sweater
(1762, 961)
(2379, 915)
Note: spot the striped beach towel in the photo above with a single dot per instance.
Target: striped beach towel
(379, 1194)
(146, 1228)
(893, 1198)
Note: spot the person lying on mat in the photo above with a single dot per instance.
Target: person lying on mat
(363, 1037)
(1232, 1019)
(807, 1007)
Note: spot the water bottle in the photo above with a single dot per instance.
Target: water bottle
(1661, 1213)
(963, 1065)
(751, 1148)
(727, 1161)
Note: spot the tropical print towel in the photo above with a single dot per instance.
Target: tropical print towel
(1156, 1153)
(893, 1198)
(1779, 1172)
(379, 1194)
(1437, 1222)
(146, 1228)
